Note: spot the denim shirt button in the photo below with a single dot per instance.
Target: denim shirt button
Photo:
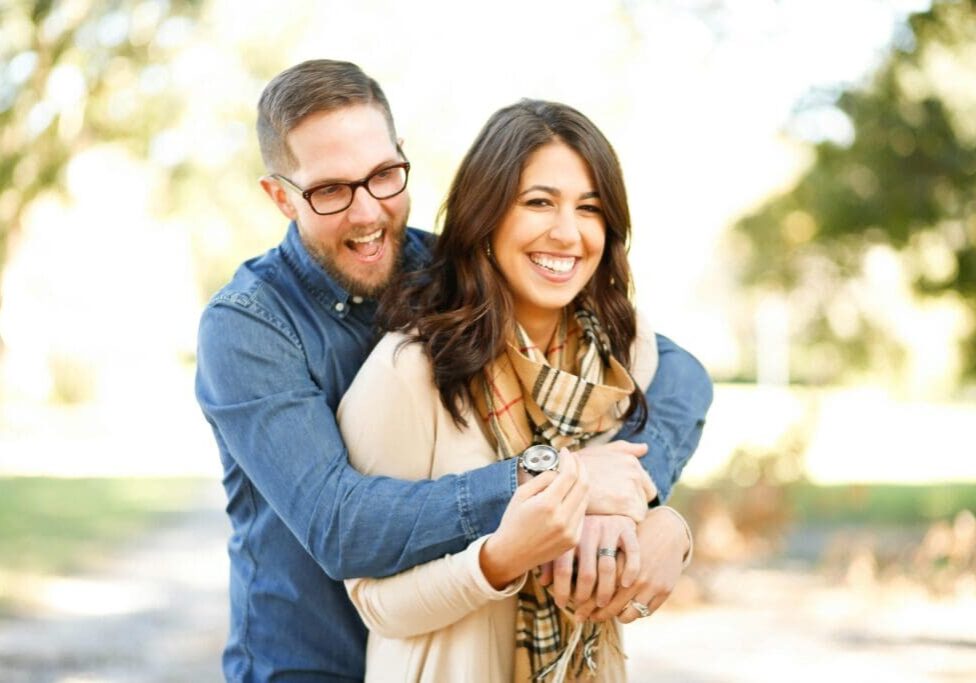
(340, 306)
(357, 299)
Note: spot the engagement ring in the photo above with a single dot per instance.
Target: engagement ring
(641, 608)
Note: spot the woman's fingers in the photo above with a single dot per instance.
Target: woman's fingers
(534, 486)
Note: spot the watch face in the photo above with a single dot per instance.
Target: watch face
(540, 458)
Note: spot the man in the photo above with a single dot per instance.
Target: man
(281, 343)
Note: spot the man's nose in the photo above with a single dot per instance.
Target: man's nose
(364, 209)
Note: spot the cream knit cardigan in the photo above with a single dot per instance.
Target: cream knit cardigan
(439, 621)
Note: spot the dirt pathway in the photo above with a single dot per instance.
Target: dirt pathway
(156, 613)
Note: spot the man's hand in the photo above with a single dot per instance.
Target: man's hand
(663, 544)
(618, 483)
(593, 570)
(541, 522)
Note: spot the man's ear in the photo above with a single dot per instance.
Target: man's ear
(279, 196)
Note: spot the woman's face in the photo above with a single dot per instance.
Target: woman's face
(550, 241)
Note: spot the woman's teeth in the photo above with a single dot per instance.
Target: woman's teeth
(556, 265)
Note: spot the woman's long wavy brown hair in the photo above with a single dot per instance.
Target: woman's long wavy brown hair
(459, 308)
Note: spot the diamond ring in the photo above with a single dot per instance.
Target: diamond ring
(641, 608)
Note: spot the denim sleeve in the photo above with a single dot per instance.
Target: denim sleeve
(677, 401)
(274, 422)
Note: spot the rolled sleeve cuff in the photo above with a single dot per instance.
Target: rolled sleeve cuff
(483, 495)
(661, 469)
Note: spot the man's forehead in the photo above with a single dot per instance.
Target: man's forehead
(342, 144)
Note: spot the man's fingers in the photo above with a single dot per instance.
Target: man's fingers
(606, 580)
(636, 449)
(630, 613)
(562, 577)
(647, 486)
(586, 561)
(545, 573)
(584, 610)
(607, 565)
(632, 561)
(616, 605)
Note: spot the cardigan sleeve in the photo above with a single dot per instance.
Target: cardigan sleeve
(388, 420)
(428, 597)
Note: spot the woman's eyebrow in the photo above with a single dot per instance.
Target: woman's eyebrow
(543, 188)
(592, 194)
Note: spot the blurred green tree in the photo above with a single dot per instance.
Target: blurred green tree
(904, 179)
(76, 73)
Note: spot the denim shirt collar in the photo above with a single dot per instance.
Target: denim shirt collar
(322, 285)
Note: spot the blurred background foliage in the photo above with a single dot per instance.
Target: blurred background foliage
(890, 195)
(133, 119)
(75, 74)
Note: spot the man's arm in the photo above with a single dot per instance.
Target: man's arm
(677, 401)
(254, 387)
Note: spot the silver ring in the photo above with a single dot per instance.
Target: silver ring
(606, 552)
(641, 608)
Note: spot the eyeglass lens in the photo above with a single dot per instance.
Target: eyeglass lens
(383, 184)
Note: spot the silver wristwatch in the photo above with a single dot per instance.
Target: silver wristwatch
(538, 459)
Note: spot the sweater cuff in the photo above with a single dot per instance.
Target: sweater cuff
(473, 562)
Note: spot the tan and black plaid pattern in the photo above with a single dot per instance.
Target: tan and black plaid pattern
(562, 397)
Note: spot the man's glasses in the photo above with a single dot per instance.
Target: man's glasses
(330, 198)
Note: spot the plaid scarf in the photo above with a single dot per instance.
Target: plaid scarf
(562, 397)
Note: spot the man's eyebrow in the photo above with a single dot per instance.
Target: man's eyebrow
(377, 167)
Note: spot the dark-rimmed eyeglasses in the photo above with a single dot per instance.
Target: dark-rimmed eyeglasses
(330, 198)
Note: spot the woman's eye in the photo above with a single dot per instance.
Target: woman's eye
(591, 208)
(537, 201)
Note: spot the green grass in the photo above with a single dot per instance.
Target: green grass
(860, 503)
(876, 503)
(52, 525)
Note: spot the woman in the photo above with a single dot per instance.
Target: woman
(526, 296)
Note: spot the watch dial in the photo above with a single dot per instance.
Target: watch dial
(540, 458)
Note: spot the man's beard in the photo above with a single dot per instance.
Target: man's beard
(367, 290)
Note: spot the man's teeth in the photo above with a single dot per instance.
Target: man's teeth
(368, 238)
(556, 265)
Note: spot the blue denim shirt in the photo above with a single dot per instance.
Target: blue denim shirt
(278, 347)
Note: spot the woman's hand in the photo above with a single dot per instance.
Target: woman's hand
(542, 521)
(593, 570)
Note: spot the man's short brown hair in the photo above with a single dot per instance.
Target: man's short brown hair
(318, 85)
